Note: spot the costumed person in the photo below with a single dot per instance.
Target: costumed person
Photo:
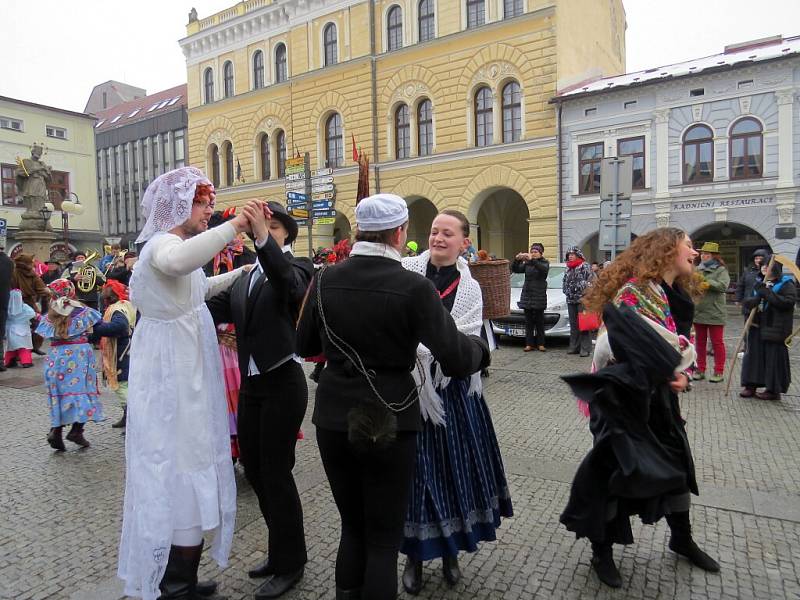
(577, 278)
(748, 279)
(459, 491)
(34, 292)
(123, 272)
(368, 315)
(232, 256)
(111, 254)
(6, 273)
(69, 369)
(179, 481)
(711, 313)
(18, 332)
(412, 248)
(533, 299)
(766, 360)
(640, 462)
(86, 277)
(265, 305)
(113, 334)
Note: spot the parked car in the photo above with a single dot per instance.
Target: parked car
(556, 318)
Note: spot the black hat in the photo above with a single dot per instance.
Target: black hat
(279, 212)
(762, 253)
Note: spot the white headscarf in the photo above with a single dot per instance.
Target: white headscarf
(167, 202)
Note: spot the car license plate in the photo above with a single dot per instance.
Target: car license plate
(515, 331)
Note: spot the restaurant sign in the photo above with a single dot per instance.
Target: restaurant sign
(754, 201)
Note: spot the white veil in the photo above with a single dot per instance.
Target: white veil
(167, 201)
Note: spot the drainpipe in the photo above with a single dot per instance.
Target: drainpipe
(374, 78)
(559, 205)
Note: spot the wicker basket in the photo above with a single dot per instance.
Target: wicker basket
(494, 278)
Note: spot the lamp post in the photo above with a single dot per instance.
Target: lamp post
(68, 206)
(46, 211)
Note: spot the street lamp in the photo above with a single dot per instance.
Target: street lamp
(69, 207)
(46, 211)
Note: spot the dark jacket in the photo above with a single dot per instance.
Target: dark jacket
(381, 311)
(576, 281)
(121, 274)
(534, 290)
(265, 319)
(118, 327)
(6, 272)
(745, 285)
(776, 320)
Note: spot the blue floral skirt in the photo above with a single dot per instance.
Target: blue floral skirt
(71, 378)
(459, 492)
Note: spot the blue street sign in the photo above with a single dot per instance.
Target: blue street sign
(3, 227)
(301, 222)
(324, 213)
(296, 196)
(322, 204)
(296, 204)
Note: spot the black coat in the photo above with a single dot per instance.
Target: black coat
(265, 319)
(534, 290)
(118, 327)
(6, 271)
(121, 274)
(745, 285)
(381, 311)
(776, 320)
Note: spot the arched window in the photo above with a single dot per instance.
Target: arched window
(402, 132)
(228, 150)
(258, 70)
(698, 154)
(746, 149)
(208, 85)
(484, 126)
(476, 13)
(425, 128)
(394, 29)
(264, 152)
(512, 112)
(334, 147)
(427, 26)
(281, 72)
(213, 156)
(329, 41)
(280, 143)
(227, 79)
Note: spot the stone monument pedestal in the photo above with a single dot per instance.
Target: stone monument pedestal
(36, 243)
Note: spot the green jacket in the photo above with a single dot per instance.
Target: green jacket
(710, 309)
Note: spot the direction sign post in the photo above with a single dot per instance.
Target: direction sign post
(616, 179)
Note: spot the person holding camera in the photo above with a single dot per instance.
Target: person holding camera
(533, 299)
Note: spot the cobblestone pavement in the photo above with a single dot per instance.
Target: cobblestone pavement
(60, 513)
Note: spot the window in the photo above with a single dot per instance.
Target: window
(9, 123)
(152, 108)
(135, 162)
(264, 144)
(228, 163)
(165, 152)
(208, 85)
(402, 132)
(589, 112)
(227, 79)
(629, 104)
(125, 164)
(56, 132)
(329, 41)
(154, 149)
(744, 84)
(394, 29)
(512, 8)
(281, 73)
(258, 70)
(427, 25)
(213, 155)
(484, 126)
(134, 113)
(476, 13)
(178, 141)
(173, 101)
(334, 147)
(634, 147)
(589, 158)
(115, 119)
(697, 92)
(9, 182)
(58, 188)
(512, 112)
(145, 158)
(281, 145)
(425, 128)
(698, 154)
(747, 158)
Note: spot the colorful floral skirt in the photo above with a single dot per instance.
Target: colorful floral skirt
(71, 379)
(459, 492)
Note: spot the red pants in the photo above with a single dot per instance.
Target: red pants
(23, 355)
(702, 333)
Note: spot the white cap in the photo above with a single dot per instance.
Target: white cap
(380, 212)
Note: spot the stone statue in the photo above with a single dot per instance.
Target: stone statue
(33, 177)
(193, 15)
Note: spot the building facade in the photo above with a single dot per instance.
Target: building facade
(715, 145)
(110, 94)
(136, 142)
(448, 98)
(68, 140)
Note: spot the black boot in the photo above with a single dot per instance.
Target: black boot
(603, 564)
(316, 372)
(682, 543)
(348, 594)
(75, 435)
(412, 576)
(121, 423)
(452, 574)
(55, 439)
(180, 577)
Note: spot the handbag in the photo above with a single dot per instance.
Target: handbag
(588, 321)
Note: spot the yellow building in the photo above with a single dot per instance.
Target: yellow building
(68, 139)
(447, 98)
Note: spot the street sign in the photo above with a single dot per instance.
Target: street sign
(295, 171)
(295, 161)
(3, 227)
(319, 172)
(295, 176)
(323, 179)
(301, 213)
(293, 205)
(320, 204)
(296, 196)
(324, 213)
(608, 177)
(295, 186)
(606, 235)
(325, 221)
(302, 222)
(623, 211)
(325, 187)
(323, 196)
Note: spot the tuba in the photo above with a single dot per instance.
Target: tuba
(88, 275)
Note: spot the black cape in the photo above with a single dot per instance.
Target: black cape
(641, 454)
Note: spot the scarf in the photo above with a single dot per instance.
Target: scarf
(376, 249)
(227, 255)
(468, 315)
(108, 346)
(64, 306)
(572, 264)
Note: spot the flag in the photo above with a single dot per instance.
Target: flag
(355, 152)
(363, 178)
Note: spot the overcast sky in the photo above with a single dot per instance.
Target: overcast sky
(55, 51)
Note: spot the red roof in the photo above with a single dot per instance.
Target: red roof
(141, 108)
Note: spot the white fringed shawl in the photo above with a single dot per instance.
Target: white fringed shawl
(467, 313)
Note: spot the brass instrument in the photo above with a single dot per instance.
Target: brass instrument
(88, 275)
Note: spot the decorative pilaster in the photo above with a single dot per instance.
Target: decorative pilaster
(785, 101)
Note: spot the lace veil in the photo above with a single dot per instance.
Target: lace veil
(167, 202)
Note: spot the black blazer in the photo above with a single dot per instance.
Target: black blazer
(383, 312)
(265, 320)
